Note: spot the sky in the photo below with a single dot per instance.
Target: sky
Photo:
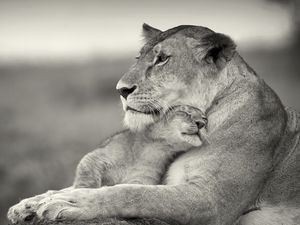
(41, 29)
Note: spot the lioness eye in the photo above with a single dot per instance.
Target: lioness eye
(161, 59)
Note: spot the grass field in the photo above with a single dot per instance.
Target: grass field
(53, 113)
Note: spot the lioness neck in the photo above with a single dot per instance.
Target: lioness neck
(246, 92)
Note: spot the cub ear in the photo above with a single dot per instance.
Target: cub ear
(150, 32)
(216, 49)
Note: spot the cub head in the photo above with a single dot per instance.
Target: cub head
(183, 65)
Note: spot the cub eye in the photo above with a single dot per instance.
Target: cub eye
(161, 59)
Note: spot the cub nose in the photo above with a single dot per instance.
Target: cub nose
(125, 91)
(201, 123)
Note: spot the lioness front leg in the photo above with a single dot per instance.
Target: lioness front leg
(92, 172)
(180, 204)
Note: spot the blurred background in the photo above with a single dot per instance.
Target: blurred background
(60, 61)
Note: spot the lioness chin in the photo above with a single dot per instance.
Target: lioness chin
(248, 173)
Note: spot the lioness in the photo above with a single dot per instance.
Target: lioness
(248, 174)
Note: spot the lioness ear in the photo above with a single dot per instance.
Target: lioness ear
(216, 49)
(150, 32)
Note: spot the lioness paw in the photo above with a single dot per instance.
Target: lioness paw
(52, 209)
(24, 210)
(76, 204)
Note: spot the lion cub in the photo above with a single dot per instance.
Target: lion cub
(180, 130)
(152, 152)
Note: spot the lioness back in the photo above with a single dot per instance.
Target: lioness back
(279, 201)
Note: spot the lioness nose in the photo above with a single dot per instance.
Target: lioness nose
(125, 91)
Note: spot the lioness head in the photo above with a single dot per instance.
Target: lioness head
(183, 65)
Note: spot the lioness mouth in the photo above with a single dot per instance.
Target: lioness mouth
(148, 112)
